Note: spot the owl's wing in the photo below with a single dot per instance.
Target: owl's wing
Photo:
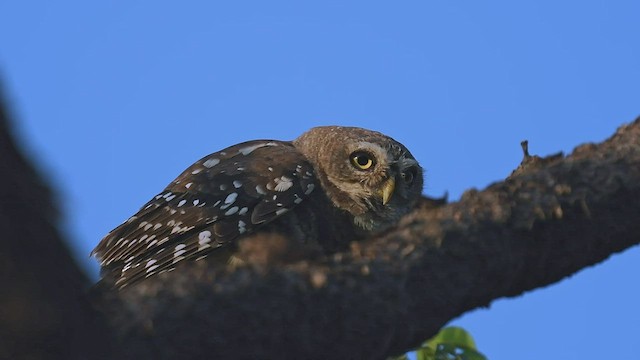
(209, 205)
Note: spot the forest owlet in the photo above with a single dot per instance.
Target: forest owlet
(328, 187)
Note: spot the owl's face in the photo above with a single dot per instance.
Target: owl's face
(367, 174)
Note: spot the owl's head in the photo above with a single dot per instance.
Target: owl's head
(370, 175)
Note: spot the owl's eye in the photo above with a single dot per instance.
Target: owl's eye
(362, 160)
(408, 175)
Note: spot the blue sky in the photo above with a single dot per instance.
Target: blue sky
(114, 99)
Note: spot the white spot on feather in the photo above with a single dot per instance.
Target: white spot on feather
(188, 185)
(260, 190)
(196, 171)
(204, 240)
(242, 226)
(249, 149)
(237, 184)
(283, 183)
(182, 202)
(232, 211)
(204, 237)
(211, 162)
(151, 262)
(231, 198)
(310, 188)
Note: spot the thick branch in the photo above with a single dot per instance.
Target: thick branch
(551, 218)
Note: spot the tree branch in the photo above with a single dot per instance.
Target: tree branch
(552, 217)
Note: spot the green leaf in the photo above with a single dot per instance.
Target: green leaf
(452, 352)
(452, 335)
(451, 343)
(425, 353)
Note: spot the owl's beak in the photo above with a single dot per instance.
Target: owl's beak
(387, 190)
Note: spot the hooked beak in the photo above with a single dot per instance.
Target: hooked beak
(387, 190)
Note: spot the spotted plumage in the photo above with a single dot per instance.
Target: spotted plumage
(342, 184)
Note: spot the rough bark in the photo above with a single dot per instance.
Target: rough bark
(549, 219)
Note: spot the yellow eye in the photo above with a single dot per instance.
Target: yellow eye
(362, 160)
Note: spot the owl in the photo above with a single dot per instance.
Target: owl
(303, 198)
